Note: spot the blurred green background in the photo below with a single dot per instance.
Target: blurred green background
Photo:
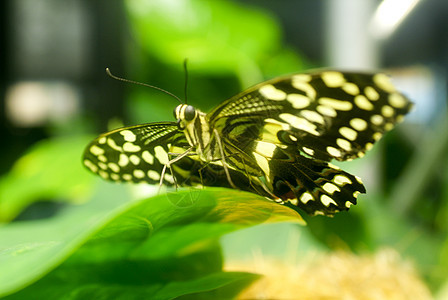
(64, 230)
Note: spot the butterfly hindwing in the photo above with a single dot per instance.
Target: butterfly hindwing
(317, 187)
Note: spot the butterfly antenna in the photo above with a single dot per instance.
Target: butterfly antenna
(186, 79)
(141, 83)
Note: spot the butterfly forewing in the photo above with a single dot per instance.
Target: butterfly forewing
(327, 115)
(136, 153)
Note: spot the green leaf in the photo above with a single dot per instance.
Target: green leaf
(171, 235)
(205, 284)
(30, 249)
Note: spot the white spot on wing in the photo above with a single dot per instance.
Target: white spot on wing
(95, 150)
(333, 79)
(284, 126)
(383, 81)
(377, 136)
(308, 151)
(350, 88)
(333, 151)
(148, 157)
(128, 135)
(123, 160)
(113, 145)
(326, 200)
(371, 93)
(388, 126)
(130, 147)
(377, 119)
(333, 166)
(341, 180)
(305, 197)
(344, 144)
(336, 104)
(90, 165)
(138, 173)
(348, 133)
(387, 111)
(169, 178)
(362, 102)
(300, 123)
(304, 86)
(330, 188)
(161, 155)
(270, 92)
(298, 101)
(397, 100)
(153, 175)
(313, 116)
(114, 167)
(326, 110)
(358, 124)
(134, 159)
(302, 77)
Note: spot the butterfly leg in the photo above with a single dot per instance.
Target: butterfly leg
(168, 165)
(223, 159)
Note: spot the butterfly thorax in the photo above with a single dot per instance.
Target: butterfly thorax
(197, 130)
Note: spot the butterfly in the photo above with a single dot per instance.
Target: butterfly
(275, 139)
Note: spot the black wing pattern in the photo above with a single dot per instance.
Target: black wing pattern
(328, 115)
(291, 127)
(136, 153)
(139, 153)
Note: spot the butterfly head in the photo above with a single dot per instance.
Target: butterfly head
(185, 114)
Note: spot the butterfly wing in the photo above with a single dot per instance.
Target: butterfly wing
(326, 115)
(136, 153)
(289, 128)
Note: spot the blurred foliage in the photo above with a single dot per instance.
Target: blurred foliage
(229, 47)
(219, 37)
(104, 243)
(50, 170)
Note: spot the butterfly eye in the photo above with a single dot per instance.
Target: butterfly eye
(189, 113)
(175, 113)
